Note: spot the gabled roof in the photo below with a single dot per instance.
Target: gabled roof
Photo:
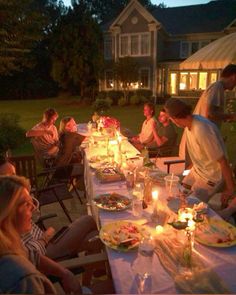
(214, 16)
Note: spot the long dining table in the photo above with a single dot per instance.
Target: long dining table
(220, 260)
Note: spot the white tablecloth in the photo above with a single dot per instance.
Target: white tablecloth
(222, 260)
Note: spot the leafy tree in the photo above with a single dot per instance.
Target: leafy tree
(126, 72)
(21, 27)
(77, 60)
(106, 10)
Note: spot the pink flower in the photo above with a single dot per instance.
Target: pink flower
(110, 122)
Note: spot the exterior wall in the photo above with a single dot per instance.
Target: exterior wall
(140, 26)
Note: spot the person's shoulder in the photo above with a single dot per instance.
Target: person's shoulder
(203, 124)
(216, 86)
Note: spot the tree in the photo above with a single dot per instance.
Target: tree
(77, 61)
(106, 10)
(126, 72)
(21, 28)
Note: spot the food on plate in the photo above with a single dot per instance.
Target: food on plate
(216, 233)
(112, 202)
(201, 207)
(109, 174)
(121, 235)
(95, 159)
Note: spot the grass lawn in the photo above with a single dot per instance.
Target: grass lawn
(30, 112)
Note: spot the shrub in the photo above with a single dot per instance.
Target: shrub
(11, 134)
(135, 100)
(122, 102)
(144, 93)
(102, 95)
(115, 95)
(101, 105)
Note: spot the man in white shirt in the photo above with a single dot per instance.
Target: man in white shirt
(45, 136)
(207, 152)
(145, 137)
(211, 103)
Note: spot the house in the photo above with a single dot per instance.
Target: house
(161, 39)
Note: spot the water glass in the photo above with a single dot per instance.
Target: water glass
(137, 207)
(172, 185)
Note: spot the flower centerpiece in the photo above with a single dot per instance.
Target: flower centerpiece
(110, 122)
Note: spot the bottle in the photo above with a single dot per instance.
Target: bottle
(145, 155)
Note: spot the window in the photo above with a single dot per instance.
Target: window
(183, 83)
(193, 80)
(194, 47)
(213, 77)
(145, 44)
(124, 49)
(202, 80)
(144, 78)
(108, 48)
(109, 80)
(184, 51)
(173, 83)
(135, 44)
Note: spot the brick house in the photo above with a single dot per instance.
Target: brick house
(161, 39)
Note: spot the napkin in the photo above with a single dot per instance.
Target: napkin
(200, 279)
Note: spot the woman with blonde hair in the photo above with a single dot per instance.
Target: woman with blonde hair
(17, 274)
(69, 143)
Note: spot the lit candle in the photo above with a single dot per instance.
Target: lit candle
(154, 200)
(159, 229)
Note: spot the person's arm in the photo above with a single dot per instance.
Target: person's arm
(69, 281)
(215, 114)
(38, 133)
(228, 178)
(160, 140)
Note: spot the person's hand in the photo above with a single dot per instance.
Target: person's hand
(225, 197)
(49, 233)
(70, 283)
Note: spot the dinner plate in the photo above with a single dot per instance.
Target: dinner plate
(174, 203)
(114, 234)
(216, 233)
(112, 202)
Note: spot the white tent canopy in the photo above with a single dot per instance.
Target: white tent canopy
(215, 55)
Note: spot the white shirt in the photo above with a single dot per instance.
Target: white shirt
(205, 146)
(212, 96)
(146, 135)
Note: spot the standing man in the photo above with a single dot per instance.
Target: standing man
(211, 103)
(206, 150)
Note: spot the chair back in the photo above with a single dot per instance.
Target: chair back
(26, 166)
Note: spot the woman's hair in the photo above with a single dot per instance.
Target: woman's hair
(11, 188)
(64, 121)
(151, 107)
(49, 113)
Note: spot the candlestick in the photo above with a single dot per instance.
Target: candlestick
(154, 201)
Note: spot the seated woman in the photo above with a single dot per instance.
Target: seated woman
(69, 143)
(6, 168)
(146, 138)
(164, 135)
(44, 136)
(17, 274)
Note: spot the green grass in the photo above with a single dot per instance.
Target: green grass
(31, 111)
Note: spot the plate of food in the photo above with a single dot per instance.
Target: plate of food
(215, 232)
(122, 235)
(174, 203)
(109, 174)
(112, 202)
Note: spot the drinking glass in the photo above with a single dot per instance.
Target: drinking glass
(172, 184)
(137, 207)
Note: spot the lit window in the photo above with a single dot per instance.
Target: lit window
(145, 44)
(144, 78)
(213, 77)
(173, 83)
(134, 45)
(124, 46)
(183, 83)
(108, 48)
(202, 80)
(109, 80)
(193, 81)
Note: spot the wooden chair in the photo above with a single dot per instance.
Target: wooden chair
(56, 193)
